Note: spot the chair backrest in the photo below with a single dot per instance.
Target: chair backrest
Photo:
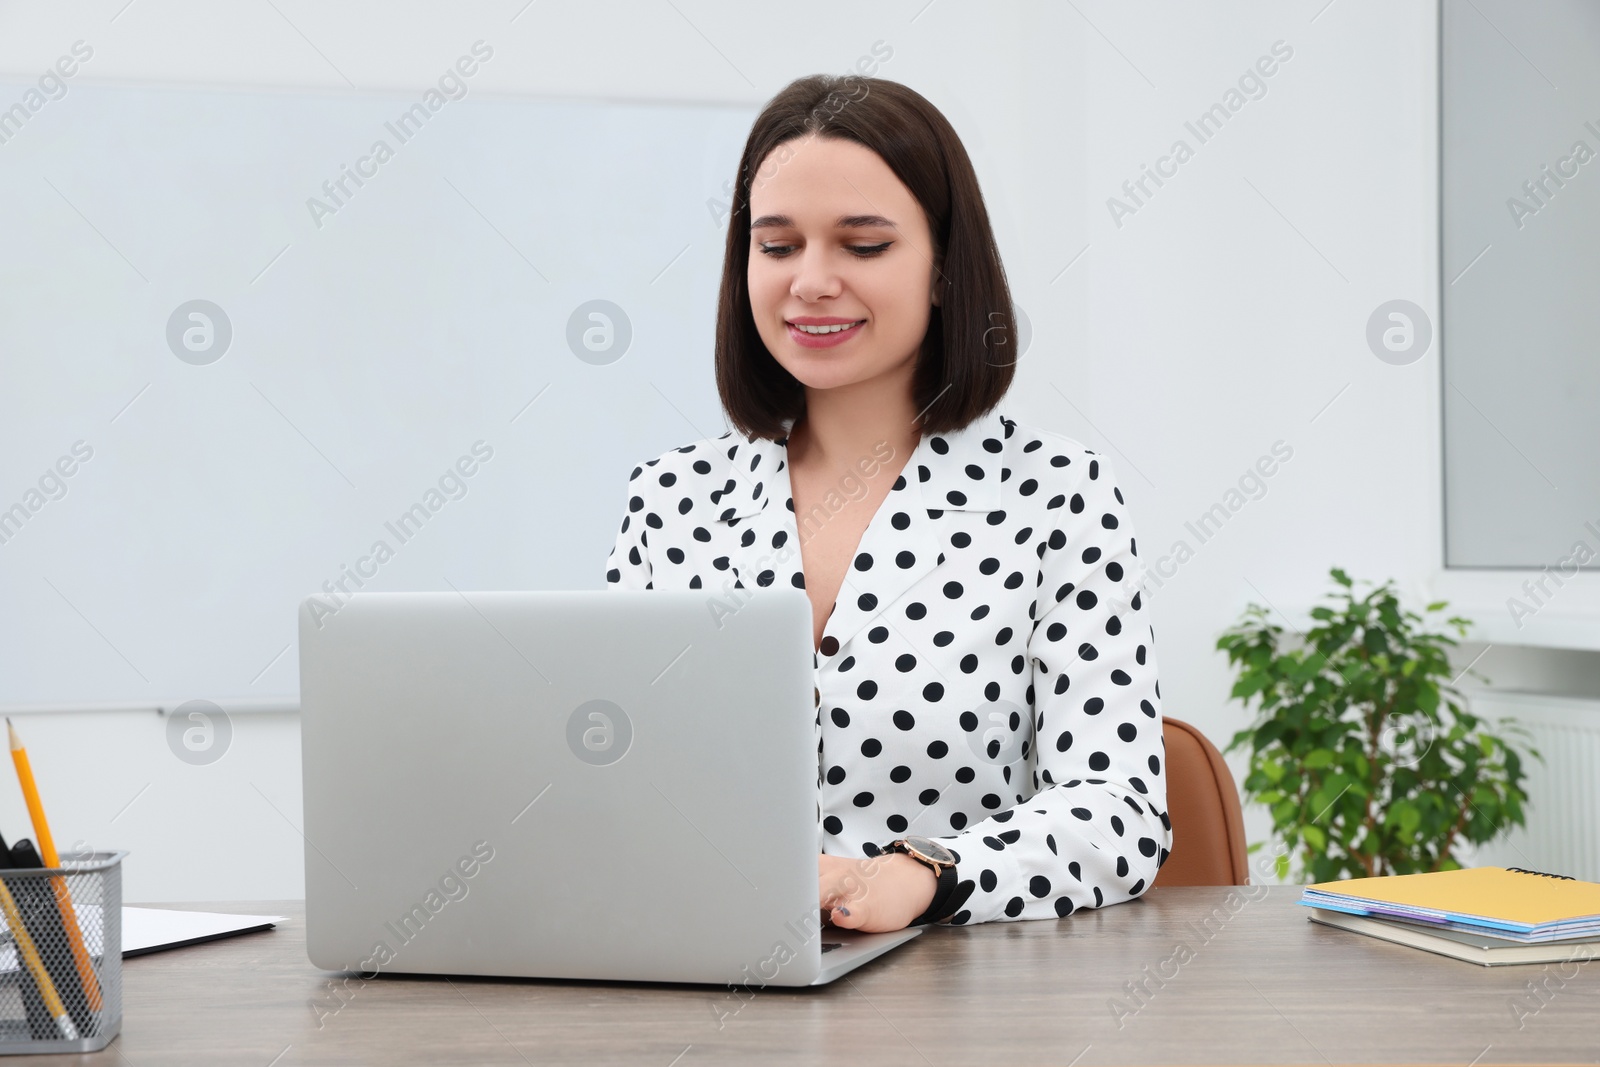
(1208, 846)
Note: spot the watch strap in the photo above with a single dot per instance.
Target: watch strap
(958, 899)
(941, 895)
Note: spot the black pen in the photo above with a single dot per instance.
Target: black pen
(40, 1023)
(36, 900)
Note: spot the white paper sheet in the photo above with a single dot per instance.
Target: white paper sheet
(150, 929)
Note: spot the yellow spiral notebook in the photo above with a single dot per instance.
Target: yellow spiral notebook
(1509, 902)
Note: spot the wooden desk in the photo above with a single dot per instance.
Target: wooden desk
(1257, 984)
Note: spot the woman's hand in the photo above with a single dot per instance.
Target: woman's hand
(881, 893)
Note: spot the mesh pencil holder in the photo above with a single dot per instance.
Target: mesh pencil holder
(61, 955)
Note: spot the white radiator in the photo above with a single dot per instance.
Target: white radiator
(1562, 835)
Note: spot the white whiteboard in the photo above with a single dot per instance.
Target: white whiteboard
(368, 355)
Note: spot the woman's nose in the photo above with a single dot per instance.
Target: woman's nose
(814, 278)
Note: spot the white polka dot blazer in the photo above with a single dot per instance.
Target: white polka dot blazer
(986, 676)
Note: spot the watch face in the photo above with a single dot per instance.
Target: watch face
(931, 849)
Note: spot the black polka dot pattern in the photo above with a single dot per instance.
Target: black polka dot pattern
(987, 676)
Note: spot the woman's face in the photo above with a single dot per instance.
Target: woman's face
(836, 238)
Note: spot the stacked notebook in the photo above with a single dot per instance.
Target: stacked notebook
(1487, 915)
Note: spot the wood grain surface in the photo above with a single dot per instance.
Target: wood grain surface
(1181, 975)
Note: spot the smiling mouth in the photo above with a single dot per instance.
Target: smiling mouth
(823, 331)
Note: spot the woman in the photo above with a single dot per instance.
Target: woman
(982, 682)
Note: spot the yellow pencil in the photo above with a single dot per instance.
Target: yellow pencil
(58, 884)
(30, 957)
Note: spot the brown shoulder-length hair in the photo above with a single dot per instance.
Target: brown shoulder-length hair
(968, 354)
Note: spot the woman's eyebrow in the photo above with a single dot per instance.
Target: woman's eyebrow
(843, 222)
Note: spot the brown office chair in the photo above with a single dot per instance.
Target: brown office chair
(1208, 846)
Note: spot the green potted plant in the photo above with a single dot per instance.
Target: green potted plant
(1362, 749)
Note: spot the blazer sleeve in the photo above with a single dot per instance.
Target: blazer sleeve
(628, 566)
(1096, 829)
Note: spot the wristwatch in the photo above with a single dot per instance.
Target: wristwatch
(950, 892)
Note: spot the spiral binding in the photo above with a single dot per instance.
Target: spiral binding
(1542, 874)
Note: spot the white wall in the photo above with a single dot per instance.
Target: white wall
(1227, 313)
